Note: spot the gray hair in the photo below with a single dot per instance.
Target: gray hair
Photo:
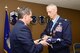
(52, 6)
(22, 11)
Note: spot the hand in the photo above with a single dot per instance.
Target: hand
(44, 43)
(36, 41)
(45, 37)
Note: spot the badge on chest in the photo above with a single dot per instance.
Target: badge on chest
(59, 27)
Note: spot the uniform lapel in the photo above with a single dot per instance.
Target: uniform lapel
(56, 23)
(49, 25)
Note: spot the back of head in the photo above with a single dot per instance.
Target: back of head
(22, 11)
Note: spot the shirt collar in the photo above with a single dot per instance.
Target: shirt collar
(55, 18)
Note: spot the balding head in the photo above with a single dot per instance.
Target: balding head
(52, 6)
(51, 10)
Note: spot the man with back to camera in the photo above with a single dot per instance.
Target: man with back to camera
(57, 32)
(21, 38)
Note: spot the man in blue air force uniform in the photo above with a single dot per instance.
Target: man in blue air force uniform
(57, 32)
(21, 38)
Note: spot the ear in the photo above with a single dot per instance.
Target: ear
(24, 16)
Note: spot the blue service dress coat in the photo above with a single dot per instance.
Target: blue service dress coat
(21, 40)
(63, 32)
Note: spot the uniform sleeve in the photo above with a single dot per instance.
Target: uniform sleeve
(25, 39)
(44, 33)
(47, 30)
